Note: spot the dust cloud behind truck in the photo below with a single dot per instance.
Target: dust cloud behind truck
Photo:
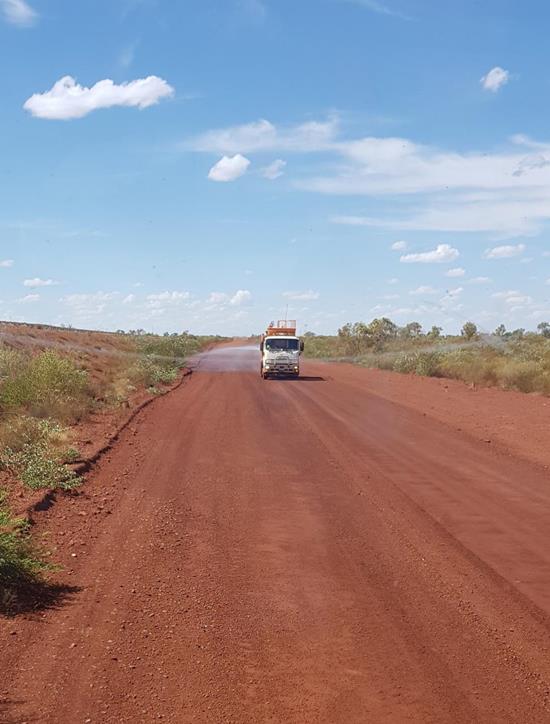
(281, 349)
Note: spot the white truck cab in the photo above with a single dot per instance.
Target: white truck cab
(281, 348)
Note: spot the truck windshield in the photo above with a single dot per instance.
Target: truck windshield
(277, 343)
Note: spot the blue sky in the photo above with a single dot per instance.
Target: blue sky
(200, 165)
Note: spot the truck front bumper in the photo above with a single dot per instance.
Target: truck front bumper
(282, 369)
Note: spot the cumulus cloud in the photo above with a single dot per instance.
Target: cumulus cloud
(129, 299)
(18, 12)
(308, 295)
(37, 282)
(78, 299)
(29, 298)
(514, 297)
(495, 79)
(504, 252)
(164, 299)
(220, 299)
(229, 168)
(6, 263)
(274, 170)
(423, 290)
(399, 245)
(264, 136)
(500, 192)
(67, 99)
(456, 272)
(241, 297)
(442, 254)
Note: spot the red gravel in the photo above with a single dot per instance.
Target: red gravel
(317, 550)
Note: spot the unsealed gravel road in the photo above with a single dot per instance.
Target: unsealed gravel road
(292, 551)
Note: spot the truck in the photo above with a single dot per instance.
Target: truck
(280, 349)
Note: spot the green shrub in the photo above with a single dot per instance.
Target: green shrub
(32, 451)
(428, 364)
(405, 363)
(525, 376)
(149, 372)
(19, 559)
(470, 365)
(48, 385)
(11, 362)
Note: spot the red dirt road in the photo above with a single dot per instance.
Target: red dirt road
(295, 551)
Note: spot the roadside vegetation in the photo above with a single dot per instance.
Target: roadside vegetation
(512, 360)
(50, 380)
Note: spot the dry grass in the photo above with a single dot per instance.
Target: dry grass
(521, 364)
(59, 376)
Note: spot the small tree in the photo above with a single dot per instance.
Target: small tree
(469, 331)
(435, 332)
(544, 329)
(411, 330)
(500, 331)
(381, 330)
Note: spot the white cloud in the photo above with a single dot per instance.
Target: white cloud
(479, 280)
(229, 168)
(163, 299)
(29, 298)
(529, 163)
(379, 8)
(78, 299)
(544, 253)
(18, 12)
(264, 136)
(442, 254)
(221, 299)
(218, 298)
(514, 297)
(500, 192)
(129, 299)
(504, 252)
(67, 99)
(495, 79)
(6, 263)
(423, 290)
(302, 296)
(393, 280)
(274, 170)
(86, 305)
(399, 245)
(241, 297)
(36, 282)
(456, 272)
